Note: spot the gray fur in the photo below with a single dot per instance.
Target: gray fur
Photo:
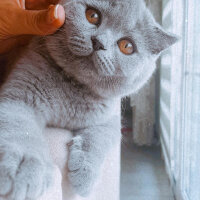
(59, 81)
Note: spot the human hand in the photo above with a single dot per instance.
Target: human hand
(41, 17)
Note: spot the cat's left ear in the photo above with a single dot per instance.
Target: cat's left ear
(160, 40)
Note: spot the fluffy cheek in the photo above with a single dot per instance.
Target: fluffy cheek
(80, 45)
(77, 30)
(142, 75)
(135, 72)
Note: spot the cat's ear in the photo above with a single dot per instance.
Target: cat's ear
(160, 40)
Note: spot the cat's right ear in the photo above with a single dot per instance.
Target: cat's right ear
(159, 40)
(156, 37)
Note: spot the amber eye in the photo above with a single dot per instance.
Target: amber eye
(126, 46)
(93, 16)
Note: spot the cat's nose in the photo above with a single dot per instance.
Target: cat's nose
(96, 44)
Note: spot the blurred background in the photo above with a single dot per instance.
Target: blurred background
(161, 124)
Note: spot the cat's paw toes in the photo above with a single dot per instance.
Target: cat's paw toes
(76, 156)
(83, 179)
(22, 175)
(76, 160)
(81, 173)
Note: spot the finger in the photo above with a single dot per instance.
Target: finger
(40, 22)
(39, 4)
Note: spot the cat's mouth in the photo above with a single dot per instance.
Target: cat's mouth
(96, 52)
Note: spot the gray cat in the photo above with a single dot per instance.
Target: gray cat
(74, 79)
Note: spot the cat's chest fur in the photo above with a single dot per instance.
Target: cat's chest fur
(61, 99)
(77, 108)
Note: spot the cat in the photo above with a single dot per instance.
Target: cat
(74, 79)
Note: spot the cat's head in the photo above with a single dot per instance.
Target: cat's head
(110, 45)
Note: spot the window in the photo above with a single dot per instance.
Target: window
(180, 98)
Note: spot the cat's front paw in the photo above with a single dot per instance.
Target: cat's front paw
(22, 175)
(82, 172)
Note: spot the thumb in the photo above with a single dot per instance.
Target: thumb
(42, 22)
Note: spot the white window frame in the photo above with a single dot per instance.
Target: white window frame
(183, 157)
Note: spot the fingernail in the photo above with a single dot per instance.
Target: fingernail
(53, 13)
(56, 11)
